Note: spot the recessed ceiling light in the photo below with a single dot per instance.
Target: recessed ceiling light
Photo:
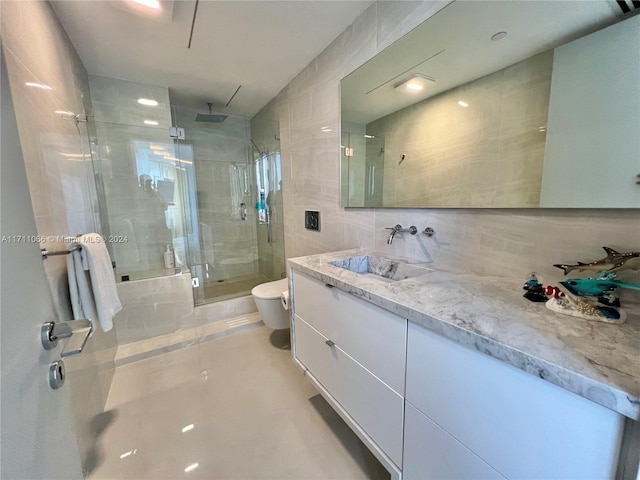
(463, 104)
(41, 86)
(148, 3)
(498, 36)
(415, 84)
(150, 122)
(148, 102)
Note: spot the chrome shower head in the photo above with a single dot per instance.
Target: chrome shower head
(210, 117)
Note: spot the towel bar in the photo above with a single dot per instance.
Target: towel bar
(46, 253)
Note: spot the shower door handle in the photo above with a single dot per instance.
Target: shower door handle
(243, 211)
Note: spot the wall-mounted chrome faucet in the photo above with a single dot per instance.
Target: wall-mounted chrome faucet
(398, 229)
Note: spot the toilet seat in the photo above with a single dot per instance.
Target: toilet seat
(271, 290)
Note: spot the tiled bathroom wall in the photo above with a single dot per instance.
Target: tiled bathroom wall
(457, 155)
(61, 178)
(510, 242)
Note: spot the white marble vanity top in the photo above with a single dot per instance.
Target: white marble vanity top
(598, 361)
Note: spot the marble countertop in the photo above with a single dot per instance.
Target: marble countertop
(598, 361)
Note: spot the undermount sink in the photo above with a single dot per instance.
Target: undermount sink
(381, 268)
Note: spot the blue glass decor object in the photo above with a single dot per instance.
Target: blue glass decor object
(595, 298)
(613, 261)
(595, 287)
(534, 290)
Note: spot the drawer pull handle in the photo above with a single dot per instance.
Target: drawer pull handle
(329, 285)
(331, 343)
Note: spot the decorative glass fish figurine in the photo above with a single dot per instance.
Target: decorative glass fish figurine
(596, 287)
(613, 261)
(534, 290)
(587, 308)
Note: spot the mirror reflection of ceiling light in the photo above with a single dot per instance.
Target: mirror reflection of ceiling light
(41, 86)
(416, 83)
(75, 155)
(150, 122)
(148, 102)
(129, 453)
(191, 467)
(369, 136)
(174, 159)
(148, 3)
(463, 104)
(187, 428)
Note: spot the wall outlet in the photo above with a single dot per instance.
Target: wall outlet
(312, 220)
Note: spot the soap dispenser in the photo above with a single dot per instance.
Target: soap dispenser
(261, 207)
(169, 258)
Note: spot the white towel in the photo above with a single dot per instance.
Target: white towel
(93, 293)
(82, 302)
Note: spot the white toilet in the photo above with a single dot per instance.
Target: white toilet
(267, 298)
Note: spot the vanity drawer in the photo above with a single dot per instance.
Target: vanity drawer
(523, 426)
(374, 337)
(371, 403)
(430, 453)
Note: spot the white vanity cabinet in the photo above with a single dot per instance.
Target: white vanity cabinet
(498, 419)
(356, 352)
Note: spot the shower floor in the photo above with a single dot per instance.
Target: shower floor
(232, 408)
(233, 287)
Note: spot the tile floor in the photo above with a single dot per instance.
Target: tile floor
(232, 408)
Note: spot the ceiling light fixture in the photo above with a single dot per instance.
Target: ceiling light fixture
(148, 102)
(463, 104)
(148, 3)
(193, 466)
(41, 86)
(150, 122)
(415, 84)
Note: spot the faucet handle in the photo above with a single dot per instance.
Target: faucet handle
(429, 232)
(397, 228)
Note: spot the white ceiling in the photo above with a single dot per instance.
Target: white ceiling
(454, 47)
(261, 45)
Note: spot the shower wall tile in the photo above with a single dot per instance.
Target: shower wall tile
(61, 179)
(221, 155)
(487, 241)
(454, 155)
(132, 211)
(116, 101)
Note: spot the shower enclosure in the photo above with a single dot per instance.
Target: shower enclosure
(194, 193)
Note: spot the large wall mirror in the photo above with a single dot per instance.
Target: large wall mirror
(499, 104)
